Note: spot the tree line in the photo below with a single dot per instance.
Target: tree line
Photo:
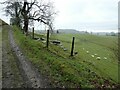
(24, 13)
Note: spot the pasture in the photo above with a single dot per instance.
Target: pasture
(89, 47)
(94, 65)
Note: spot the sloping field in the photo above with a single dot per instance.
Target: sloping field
(95, 65)
(89, 47)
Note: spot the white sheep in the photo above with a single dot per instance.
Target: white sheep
(87, 51)
(95, 54)
(98, 58)
(92, 56)
(83, 49)
(105, 57)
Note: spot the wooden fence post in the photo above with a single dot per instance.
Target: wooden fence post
(72, 46)
(33, 33)
(47, 43)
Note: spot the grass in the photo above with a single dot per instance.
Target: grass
(79, 71)
(104, 46)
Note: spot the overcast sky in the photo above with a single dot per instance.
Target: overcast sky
(88, 15)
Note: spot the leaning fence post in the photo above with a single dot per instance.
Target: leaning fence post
(33, 33)
(72, 46)
(47, 43)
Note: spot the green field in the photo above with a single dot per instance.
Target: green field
(103, 46)
(81, 70)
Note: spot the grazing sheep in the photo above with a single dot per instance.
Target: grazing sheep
(105, 58)
(92, 56)
(87, 51)
(98, 58)
(83, 49)
(95, 54)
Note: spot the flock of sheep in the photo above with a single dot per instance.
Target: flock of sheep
(56, 42)
(95, 55)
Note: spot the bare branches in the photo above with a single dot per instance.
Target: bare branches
(45, 13)
(40, 11)
(12, 8)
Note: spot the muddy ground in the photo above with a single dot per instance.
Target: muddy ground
(17, 71)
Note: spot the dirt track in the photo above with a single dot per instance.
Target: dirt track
(17, 71)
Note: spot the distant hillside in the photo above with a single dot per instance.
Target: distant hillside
(67, 31)
(71, 31)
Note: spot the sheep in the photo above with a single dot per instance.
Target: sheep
(105, 57)
(87, 51)
(95, 54)
(92, 56)
(98, 58)
(83, 49)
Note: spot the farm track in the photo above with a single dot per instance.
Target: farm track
(9, 75)
(27, 74)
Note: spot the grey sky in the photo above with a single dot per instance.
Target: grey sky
(88, 15)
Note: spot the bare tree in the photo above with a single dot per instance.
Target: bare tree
(41, 11)
(12, 9)
(38, 11)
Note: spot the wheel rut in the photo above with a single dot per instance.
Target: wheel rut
(30, 73)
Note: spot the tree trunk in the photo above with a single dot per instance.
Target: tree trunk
(17, 18)
(26, 25)
(26, 20)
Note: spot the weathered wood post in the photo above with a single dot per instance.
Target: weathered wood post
(33, 33)
(72, 49)
(47, 43)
